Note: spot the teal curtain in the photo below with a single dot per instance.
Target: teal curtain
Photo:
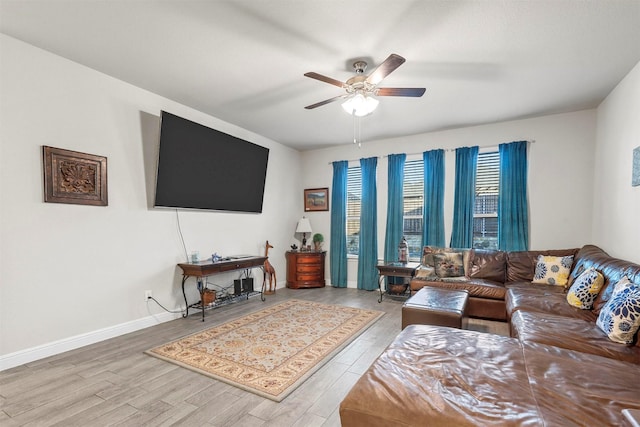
(395, 203)
(338, 243)
(368, 246)
(513, 209)
(464, 197)
(433, 202)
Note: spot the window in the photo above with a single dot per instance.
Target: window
(413, 192)
(354, 196)
(485, 216)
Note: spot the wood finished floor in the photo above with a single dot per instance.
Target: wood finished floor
(112, 383)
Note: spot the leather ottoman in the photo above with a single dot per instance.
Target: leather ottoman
(435, 306)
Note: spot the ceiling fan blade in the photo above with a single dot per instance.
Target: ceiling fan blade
(384, 69)
(325, 79)
(415, 92)
(325, 102)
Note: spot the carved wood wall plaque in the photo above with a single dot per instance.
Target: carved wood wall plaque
(74, 177)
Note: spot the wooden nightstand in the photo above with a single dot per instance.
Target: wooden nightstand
(305, 269)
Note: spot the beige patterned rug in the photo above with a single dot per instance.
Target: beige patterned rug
(272, 351)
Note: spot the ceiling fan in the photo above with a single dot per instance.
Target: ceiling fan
(360, 88)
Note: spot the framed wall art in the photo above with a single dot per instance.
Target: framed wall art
(635, 171)
(316, 199)
(73, 177)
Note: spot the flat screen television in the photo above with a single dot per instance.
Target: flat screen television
(203, 168)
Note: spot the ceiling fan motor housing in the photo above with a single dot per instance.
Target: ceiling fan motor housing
(360, 67)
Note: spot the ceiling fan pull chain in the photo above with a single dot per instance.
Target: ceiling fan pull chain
(355, 135)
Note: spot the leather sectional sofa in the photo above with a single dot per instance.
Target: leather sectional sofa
(486, 274)
(557, 368)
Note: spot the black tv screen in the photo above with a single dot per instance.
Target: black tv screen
(202, 168)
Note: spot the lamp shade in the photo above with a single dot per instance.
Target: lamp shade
(360, 105)
(304, 226)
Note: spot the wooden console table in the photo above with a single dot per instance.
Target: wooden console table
(203, 269)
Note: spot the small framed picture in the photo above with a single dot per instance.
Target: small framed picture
(316, 199)
(73, 177)
(635, 171)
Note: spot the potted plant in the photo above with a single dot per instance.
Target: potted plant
(317, 241)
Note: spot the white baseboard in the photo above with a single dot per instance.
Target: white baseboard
(28, 355)
(21, 357)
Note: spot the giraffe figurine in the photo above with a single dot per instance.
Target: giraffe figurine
(268, 269)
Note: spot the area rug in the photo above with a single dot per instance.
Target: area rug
(272, 351)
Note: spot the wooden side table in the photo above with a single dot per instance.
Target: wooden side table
(395, 269)
(305, 269)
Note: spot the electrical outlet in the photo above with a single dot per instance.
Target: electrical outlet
(148, 294)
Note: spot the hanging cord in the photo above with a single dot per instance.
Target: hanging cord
(186, 256)
(355, 139)
(357, 129)
(181, 311)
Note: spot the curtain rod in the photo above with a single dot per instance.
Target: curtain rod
(357, 160)
(530, 141)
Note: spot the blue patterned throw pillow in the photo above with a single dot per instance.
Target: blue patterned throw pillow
(553, 270)
(620, 316)
(585, 289)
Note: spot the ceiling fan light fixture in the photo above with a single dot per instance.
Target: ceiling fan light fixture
(360, 105)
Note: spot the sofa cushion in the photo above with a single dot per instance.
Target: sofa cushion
(476, 287)
(553, 270)
(448, 264)
(620, 316)
(448, 377)
(487, 264)
(585, 289)
(443, 377)
(521, 264)
(570, 333)
(579, 389)
(542, 299)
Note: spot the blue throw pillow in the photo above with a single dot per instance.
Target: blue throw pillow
(620, 316)
(553, 270)
(585, 289)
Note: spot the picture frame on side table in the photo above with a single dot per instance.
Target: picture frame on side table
(316, 199)
(73, 177)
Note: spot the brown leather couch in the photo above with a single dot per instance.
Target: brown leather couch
(487, 274)
(557, 369)
(540, 314)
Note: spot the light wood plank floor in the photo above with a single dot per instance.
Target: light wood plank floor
(114, 383)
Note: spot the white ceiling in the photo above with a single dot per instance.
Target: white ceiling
(243, 60)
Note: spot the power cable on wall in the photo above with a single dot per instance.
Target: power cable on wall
(186, 255)
(181, 311)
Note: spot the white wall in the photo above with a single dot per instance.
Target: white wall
(560, 174)
(616, 207)
(67, 271)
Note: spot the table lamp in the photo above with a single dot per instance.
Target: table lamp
(304, 227)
